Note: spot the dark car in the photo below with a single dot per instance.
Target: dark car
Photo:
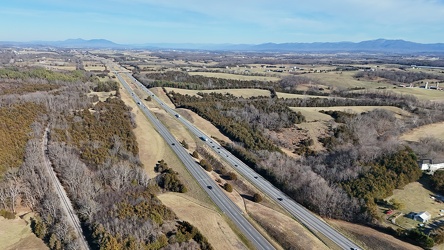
(210, 187)
(280, 199)
(173, 143)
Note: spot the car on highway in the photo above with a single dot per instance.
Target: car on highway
(279, 199)
(173, 143)
(210, 187)
(138, 103)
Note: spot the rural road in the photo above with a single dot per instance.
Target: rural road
(65, 204)
(306, 217)
(210, 186)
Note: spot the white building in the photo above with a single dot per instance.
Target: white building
(431, 167)
(422, 216)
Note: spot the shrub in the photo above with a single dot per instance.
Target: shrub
(185, 144)
(206, 165)
(228, 187)
(257, 197)
(195, 155)
(231, 176)
(7, 214)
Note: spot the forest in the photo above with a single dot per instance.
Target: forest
(94, 152)
(398, 76)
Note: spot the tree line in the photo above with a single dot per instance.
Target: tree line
(97, 163)
(398, 76)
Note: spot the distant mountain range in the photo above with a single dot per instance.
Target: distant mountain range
(379, 45)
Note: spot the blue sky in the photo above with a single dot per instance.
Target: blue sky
(222, 21)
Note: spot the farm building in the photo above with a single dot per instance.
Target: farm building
(431, 167)
(422, 216)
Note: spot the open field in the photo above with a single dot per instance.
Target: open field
(209, 222)
(290, 96)
(246, 93)
(416, 198)
(291, 233)
(235, 76)
(370, 238)
(421, 94)
(313, 114)
(102, 95)
(345, 80)
(16, 234)
(315, 130)
(435, 130)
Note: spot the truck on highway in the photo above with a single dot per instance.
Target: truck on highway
(203, 138)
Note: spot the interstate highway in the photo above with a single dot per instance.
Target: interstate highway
(306, 217)
(210, 186)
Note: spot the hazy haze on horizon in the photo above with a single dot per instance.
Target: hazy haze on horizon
(198, 21)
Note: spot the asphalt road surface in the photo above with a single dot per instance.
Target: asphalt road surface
(210, 186)
(306, 217)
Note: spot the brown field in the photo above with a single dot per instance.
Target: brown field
(235, 77)
(16, 234)
(246, 93)
(313, 114)
(345, 80)
(291, 233)
(102, 95)
(435, 130)
(68, 67)
(209, 222)
(315, 130)
(290, 96)
(421, 94)
(370, 238)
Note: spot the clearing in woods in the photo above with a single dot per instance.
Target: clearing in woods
(313, 114)
(246, 93)
(435, 130)
(17, 234)
(235, 77)
(416, 198)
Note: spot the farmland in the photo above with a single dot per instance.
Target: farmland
(266, 110)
